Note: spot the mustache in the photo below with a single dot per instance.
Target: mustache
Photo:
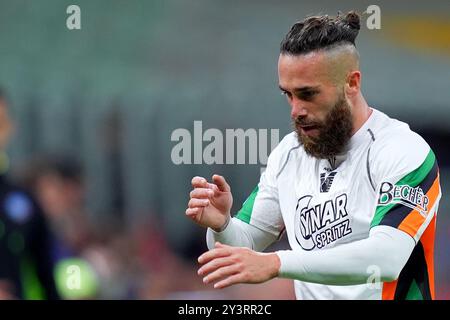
(302, 122)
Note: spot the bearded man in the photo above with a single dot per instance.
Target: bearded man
(356, 191)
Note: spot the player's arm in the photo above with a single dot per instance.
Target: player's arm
(385, 252)
(239, 231)
(240, 234)
(210, 206)
(257, 224)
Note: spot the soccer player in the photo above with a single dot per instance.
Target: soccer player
(356, 191)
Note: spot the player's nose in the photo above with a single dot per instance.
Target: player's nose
(297, 110)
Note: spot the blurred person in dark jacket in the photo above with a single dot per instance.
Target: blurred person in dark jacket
(57, 183)
(26, 268)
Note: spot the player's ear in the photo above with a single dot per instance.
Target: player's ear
(353, 83)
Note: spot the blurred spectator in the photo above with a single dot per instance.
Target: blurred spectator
(103, 255)
(26, 269)
(57, 183)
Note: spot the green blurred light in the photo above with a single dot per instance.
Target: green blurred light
(75, 279)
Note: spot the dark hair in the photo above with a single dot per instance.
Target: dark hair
(64, 167)
(321, 32)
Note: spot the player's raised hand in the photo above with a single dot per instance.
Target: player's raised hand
(210, 203)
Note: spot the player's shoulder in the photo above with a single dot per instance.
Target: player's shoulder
(393, 138)
(396, 145)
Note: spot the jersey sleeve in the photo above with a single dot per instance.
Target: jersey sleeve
(262, 209)
(406, 175)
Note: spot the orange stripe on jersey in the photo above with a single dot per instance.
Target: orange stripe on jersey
(427, 240)
(388, 292)
(412, 223)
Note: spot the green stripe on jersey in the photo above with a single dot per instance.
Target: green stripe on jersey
(245, 213)
(414, 292)
(412, 179)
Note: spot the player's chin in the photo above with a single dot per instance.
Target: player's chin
(308, 139)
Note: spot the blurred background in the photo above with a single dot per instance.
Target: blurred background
(94, 111)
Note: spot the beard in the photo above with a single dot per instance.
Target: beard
(334, 132)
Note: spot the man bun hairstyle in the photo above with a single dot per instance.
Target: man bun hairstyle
(321, 32)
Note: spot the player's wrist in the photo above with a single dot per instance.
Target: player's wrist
(274, 264)
(224, 225)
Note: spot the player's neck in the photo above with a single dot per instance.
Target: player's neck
(361, 113)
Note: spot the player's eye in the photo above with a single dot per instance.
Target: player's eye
(307, 95)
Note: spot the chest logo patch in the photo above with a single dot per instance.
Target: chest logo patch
(326, 180)
(319, 225)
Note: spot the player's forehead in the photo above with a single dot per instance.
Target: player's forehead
(309, 69)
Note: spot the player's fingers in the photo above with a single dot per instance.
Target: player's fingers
(221, 183)
(194, 203)
(213, 265)
(192, 212)
(214, 188)
(233, 279)
(199, 182)
(220, 245)
(221, 273)
(213, 254)
(201, 193)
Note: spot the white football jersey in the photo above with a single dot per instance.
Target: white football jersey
(388, 175)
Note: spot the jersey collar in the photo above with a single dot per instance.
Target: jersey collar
(364, 133)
